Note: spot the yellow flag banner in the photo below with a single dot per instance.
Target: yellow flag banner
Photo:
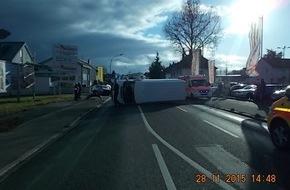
(100, 74)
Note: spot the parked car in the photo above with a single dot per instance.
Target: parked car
(277, 94)
(247, 92)
(270, 89)
(236, 87)
(106, 90)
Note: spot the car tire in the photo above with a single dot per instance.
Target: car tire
(250, 96)
(191, 96)
(280, 134)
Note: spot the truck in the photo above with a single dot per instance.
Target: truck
(197, 86)
(148, 90)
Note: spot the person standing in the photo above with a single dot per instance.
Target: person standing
(96, 91)
(76, 92)
(261, 90)
(116, 93)
(79, 90)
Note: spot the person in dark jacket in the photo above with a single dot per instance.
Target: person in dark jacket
(116, 93)
(76, 92)
(261, 90)
(96, 91)
(79, 91)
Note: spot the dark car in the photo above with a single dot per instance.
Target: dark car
(236, 87)
(270, 89)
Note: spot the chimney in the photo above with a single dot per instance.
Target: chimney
(89, 61)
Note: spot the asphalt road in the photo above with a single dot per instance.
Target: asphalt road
(158, 146)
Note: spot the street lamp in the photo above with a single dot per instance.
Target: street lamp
(283, 50)
(113, 60)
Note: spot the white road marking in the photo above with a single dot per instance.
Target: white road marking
(217, 127)
(181, 109)
(184, 157)
(165, 173)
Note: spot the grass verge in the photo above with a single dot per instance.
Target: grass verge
(10, 106)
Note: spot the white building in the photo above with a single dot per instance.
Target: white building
(273, 70)
(183, 67)
(51, 75)
(16, 65)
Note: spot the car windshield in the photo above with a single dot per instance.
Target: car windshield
(136, 94)
(201, 82)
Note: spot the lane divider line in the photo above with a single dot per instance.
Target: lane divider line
(181, 109)
(165, 173)
(223, 130)
(198, 167)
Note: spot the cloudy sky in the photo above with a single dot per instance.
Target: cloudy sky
(102, 29)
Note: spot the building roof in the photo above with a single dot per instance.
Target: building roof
(277, 62)
(186, 63)
(80, 61)
(8, 50)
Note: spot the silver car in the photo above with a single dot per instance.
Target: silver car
(278, 94)
(247, 92)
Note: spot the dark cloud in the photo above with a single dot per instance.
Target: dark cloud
(100, 29)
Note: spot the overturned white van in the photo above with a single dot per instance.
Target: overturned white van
(149, 90)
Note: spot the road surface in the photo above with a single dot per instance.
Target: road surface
(158, 146)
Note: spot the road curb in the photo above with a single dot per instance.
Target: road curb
(14, 165)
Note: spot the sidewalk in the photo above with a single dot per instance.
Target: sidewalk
(40, 127)
(243, 107)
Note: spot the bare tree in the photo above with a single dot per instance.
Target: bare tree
(271, 54)
(193, 27)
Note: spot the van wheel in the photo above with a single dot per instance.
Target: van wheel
(280, 134)
(250, 96)
(191, 96)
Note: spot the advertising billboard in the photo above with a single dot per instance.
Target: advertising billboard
(65, 62)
